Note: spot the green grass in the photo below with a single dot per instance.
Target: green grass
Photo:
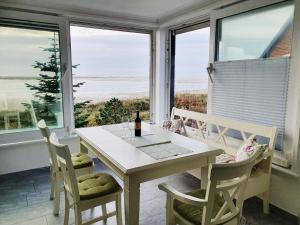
(193, 102)
(141, 104)
(90, 112)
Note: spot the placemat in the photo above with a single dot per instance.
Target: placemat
(163, 151)
(156, 146)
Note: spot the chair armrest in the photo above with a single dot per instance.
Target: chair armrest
(184, 198)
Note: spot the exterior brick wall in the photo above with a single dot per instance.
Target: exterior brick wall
(283, 47)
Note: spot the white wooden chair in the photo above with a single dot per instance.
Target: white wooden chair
(87, 191)
(215, 131)
(220, 203)
(82, 162)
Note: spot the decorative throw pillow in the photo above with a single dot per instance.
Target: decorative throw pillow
(167, 124)
(248, 149)
(173, 125)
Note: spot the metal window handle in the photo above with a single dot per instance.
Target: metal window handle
(210, 70)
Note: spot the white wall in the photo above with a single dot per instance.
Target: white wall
(285, 189)
(285, 192)
(19, 157)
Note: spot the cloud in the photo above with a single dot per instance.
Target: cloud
(20, 48)
(99, 52)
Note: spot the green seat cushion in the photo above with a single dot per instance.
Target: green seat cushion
(193, 213)
(81, 160)
(96, 185)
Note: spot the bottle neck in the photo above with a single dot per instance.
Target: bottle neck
(137, 114)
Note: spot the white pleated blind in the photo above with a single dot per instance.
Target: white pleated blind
(254, 91)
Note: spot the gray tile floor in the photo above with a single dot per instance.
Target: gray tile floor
(24, 200)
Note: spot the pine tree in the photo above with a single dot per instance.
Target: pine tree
(113, 112)
(80, 116)
(48, 88)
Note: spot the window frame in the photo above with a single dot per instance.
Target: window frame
(232, 11)
(25, 136)
(172, 52)
(113, 27)
(290, 150)
(216, 26)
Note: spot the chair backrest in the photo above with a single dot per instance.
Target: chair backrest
(228, 180)
(215, 131)
(63, 156)
(46, 134)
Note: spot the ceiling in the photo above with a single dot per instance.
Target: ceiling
(146, 10)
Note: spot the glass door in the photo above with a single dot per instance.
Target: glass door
(189, 60)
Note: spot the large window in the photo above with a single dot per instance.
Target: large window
(190, 57)
(111, 75)
(30, 76)
(260, 33)
(252, 68)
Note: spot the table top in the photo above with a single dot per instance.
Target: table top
(131, 159)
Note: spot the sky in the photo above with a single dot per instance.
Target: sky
(100, 52)
(192, 54)
(20, 48)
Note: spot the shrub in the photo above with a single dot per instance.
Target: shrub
(112, 112)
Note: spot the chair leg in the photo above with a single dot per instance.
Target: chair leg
(52, 184)
(67, 209)
(78, 219)
(104, 212)
(56, 196)
(170, 218)
(266, 202)
(119, 209)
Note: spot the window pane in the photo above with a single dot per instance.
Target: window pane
(111, 79)
(29, 79)
(260, 33)
(191, 79)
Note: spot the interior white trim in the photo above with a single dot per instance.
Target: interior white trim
(194, 14)
(95, 16)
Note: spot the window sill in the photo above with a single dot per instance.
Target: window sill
(280, 159)
(286, 171)
(16, 144)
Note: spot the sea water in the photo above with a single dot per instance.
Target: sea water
(95, 89)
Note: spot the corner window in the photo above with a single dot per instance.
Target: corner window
(30, 78)
(252, 68)
(262, 33)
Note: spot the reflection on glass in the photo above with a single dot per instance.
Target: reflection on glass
(260, 33)
(29, 79)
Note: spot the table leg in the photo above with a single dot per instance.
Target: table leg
(204, 172)
(83, 149)
(132, 200)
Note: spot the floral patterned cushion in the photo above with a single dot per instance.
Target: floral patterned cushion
(248, 149)
(175, 125)
(244, 153)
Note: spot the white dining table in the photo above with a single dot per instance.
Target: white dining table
(134, 166)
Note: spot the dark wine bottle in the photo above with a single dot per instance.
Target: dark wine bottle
(138, 125)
